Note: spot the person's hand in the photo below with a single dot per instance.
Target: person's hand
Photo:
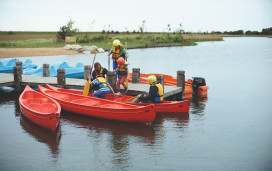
(108, 54)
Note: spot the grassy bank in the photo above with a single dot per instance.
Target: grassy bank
(48, 39)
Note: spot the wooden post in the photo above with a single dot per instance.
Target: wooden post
(61, 78)
(17, 73)
(135, 75)
(20, 64)
(46, 70)
(160, 79)
(181, 81)
(112, 79)
(87, 71)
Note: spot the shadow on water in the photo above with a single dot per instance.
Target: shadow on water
(51, 139)
(7, 96)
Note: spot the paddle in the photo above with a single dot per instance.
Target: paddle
(87, 84)
(126, 60)
(109, 57)
(130, 99)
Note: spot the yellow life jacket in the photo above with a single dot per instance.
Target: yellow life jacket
(115, 54)
(121, 69)
(102, 81)
(159, 95)
(100, 72)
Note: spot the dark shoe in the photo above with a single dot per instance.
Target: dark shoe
(125, 90)
(116, 91)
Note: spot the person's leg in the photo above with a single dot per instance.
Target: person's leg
(104, 94)
(98, 94)
(118, 84)
(114, 66)
(122, 80)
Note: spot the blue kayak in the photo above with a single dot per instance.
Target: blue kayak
(6, 65)
(70, 72)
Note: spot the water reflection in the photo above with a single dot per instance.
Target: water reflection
(120, 134)
(144, 132)
(197, 106)
(42, 135)
(7, 96)
(177, 118)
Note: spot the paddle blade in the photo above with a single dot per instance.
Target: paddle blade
(127, 83)
(130, 99)
(86, 88)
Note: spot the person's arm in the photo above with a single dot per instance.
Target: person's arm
(151, 95)
(93, 76)
(126, 67)
(127, 74)
(105, 71)
(111, 88)
(110, 52)
(124, 53)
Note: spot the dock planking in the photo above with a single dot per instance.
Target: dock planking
(72, 83)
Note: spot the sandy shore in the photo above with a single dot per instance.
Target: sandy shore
(28, 52)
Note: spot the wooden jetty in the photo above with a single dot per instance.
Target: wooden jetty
(18, 81)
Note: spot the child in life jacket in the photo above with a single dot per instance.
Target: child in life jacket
(123, 73)
(101, 87)
(155, 94)
(117, 51)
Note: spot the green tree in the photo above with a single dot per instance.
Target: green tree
(267, 31)
(179, 31)
(66, 30)
(142, 27)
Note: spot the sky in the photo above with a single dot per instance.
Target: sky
(128, 15)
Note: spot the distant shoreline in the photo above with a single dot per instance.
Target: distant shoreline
(30, 52)
(28, 45)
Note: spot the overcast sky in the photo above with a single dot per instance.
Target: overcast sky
(122, 15)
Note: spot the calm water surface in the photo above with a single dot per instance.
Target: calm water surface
(229, 130)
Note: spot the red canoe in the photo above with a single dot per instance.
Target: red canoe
(40, 109)
(171, 81)
(101, 108)
(165, 106)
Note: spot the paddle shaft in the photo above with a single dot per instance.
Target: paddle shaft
(109, 57)
(126, 49)
(93, 63)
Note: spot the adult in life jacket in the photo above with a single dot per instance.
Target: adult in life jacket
(116, 52)
(155, 94)
(101, 87)
(98, 71)
(123, 73)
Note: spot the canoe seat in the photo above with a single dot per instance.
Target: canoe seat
(87, 102)
(42, 108)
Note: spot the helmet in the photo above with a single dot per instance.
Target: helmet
(120, 61)
(151, 79)
(116, 42)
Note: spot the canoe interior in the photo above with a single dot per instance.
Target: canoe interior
(38, 103)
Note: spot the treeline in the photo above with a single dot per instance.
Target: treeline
(265, 31)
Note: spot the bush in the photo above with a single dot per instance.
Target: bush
(66, 30)
(98, 38)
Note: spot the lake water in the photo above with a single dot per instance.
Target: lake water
(229, 130)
